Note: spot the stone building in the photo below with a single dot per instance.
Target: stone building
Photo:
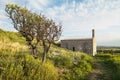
(87, 45)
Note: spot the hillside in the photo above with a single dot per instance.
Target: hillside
(13, 37)
(16, 63)
(11, 42)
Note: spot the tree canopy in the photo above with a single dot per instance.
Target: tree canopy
(35, 28)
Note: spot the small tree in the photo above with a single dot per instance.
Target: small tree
(48, 33)
(23, 21)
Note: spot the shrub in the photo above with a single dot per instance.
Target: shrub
(113, 63)
(63, 61)
(75, 66)
(48, 72)
(12, 72)
(25, 67)
(80, 70)
(115, 66)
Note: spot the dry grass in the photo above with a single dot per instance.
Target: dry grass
(11, 47)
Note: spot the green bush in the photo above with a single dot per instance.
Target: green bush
(112, 61)
(57, 43)
(63, 61)
(80, 70)
(48, 72)
(74, 66)
(25, 67)
(115, 66)
(12, 72)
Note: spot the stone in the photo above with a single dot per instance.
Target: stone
(87, 45)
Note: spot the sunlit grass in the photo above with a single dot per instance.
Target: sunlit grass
(8, 47)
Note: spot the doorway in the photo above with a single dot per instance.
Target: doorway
(73, 48)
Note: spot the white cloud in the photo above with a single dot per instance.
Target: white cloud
(79, 17)
(97, 14)
(38, 4)
(43, 2)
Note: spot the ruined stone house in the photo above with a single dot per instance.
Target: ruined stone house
(87, 45)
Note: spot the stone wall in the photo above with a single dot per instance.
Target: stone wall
(82, 45)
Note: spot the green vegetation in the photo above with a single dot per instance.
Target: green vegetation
(16, 62)
(11, 42)
(112, 63)
(25, 67)
(111, 50)
(11, 37)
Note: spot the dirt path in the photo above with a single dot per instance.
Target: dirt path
(100, 71)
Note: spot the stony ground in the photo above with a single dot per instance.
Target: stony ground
(100, 71)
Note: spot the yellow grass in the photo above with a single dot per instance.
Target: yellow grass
(11, 47)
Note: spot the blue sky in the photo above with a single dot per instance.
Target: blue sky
(78, 17)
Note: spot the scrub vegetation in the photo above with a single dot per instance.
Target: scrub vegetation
(17, 63)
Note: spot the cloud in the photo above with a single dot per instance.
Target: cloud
(100, 13)
(38, 4)
(77, 17)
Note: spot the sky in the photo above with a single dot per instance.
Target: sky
(78, 17)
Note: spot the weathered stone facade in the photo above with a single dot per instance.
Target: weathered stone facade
(87, 45)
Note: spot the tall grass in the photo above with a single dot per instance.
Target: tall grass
(8, 47)
(75, 66)
(25, 67)
(112, 61)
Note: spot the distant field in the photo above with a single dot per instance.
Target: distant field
(111, 50)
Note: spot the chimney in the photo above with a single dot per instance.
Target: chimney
(93, 33)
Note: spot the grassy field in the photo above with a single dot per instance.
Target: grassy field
(111, 50)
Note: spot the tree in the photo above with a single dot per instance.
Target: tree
(23, 21)
(48, 33)
(35, 28)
